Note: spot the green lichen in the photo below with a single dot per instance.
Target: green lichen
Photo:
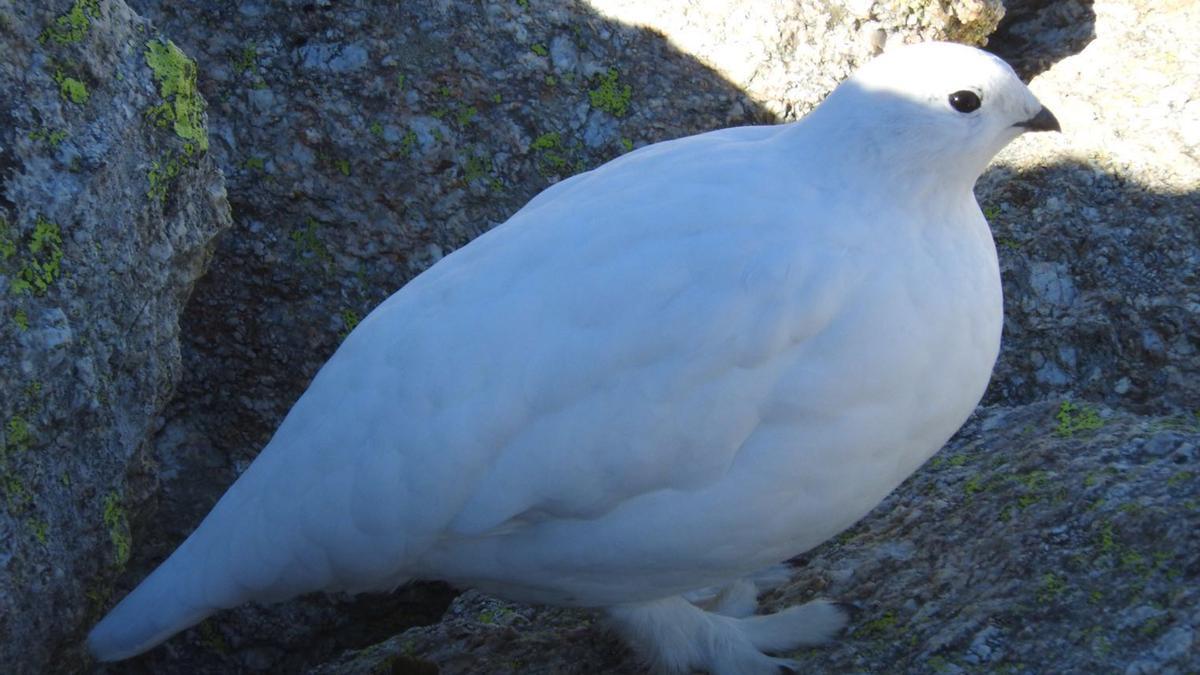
(376, 129)
(476, 167)
(1179, 478)
(308, 244)
(350, 320)
(408, 143)
(465, 115)
(210, 637)
(1050, 588)
(539, 49)
(343, 166)
(71, 89)
(627, 144)
(1072, 419)
(878, 627)
(15, 494)
(72, 26)
(17, 433)
(39, 529)
(20, 319)
(118, 528)
(182, 108)
(247, 59)
(51, 138)
(547, 141)
(610, 95)
(8, 245)
(161, 174)
(42, 264)
(255, 163)
(551, 156)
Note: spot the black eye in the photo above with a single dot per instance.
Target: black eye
(965, 101)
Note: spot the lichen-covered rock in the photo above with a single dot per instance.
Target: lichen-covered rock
(108, 203)
(788, 55)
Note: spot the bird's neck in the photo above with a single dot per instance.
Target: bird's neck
(853, 150)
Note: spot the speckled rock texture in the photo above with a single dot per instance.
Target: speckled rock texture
(789, 54)
(108, 206)
(361, 141)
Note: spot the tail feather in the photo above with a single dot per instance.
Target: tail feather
(153, 612)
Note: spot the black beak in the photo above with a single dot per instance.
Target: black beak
(1043, 121)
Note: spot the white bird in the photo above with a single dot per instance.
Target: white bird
(700, 359)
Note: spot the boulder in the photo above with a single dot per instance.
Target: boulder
(108, 205)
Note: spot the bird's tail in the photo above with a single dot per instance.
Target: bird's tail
(166, 602)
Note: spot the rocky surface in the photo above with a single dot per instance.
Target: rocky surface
(788, 55)
(1098, 228)
(108, 204)
(362, 141)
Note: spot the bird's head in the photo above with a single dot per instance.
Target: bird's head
(938, 107)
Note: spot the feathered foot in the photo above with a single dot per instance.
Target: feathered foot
(676, 637)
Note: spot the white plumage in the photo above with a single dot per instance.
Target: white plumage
(698, 360)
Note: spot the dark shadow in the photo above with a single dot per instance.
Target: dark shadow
(1099, 276)
(1036, 34)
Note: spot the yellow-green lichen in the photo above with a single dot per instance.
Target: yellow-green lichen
(182, 108)
(17, 433)
(71, 89)
(878, 627)
(465, 115)
(247, 59)
(118, 528)
(308, 244)
(161, 174)
(15, 494)
(476, 167)
(8, 245)
(42, 263)
(39, 529)
(20, 319)
(51, 138)
(350, 320)
(70, 27)
(610, 95)
(1050, 588)
(1072, 418)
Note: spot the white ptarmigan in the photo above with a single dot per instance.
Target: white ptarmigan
(700, 359)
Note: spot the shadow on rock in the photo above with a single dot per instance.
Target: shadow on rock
(1036, 34)
(1101, 281)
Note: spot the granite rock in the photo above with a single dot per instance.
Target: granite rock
(108, 206)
